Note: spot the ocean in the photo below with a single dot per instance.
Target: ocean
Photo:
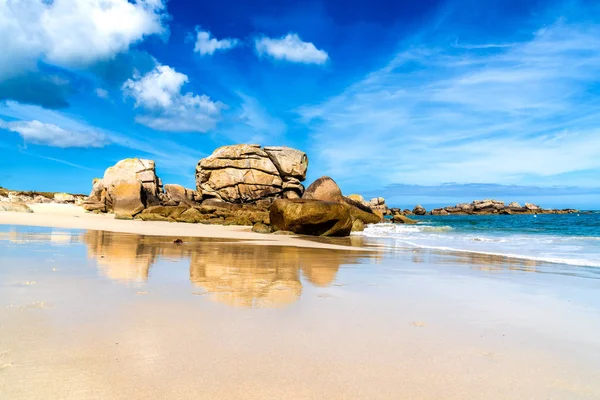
(572, 239)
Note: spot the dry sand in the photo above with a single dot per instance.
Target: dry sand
(73, 217)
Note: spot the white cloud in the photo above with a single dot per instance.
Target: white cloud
(73, 33)
(521, 114)
(165, 107)
(102, 93)
(37, 132)
(291, 48)
(207, 45)
(170, 155)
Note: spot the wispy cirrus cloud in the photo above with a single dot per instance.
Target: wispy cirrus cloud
(58, 129)
(474, 113)
(37, 132)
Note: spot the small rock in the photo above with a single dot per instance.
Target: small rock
(259, 227)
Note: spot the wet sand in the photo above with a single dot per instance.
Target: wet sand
(100, 315)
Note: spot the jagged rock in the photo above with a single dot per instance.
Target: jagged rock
(259, 227)
(514, 204)
(324, 189)
(246, 173)
(15, 207)
(532, 207)
(289, 162)
(127, 197)
(419, 210)
(311, 217)
(401, 219)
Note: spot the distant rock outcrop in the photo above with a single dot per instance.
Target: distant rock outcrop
(246, 173)
(489, 207)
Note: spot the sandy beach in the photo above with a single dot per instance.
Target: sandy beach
(73, 217)
(89, 314)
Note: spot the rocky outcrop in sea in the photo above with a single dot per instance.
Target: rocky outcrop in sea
(488, 207)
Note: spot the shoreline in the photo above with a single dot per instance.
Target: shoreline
(69, 216)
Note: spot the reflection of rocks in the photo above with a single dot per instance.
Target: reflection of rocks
(239, 275)
(246, 276)
(121, 257)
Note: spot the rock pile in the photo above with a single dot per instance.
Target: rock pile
(246, 173)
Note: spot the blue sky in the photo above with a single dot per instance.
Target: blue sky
(434, 102)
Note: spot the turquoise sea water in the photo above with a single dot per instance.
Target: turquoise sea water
(572, 239)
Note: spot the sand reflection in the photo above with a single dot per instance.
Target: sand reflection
(237, 274)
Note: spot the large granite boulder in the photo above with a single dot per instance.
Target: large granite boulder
(246, 173)
(311, 217)
(324, 189)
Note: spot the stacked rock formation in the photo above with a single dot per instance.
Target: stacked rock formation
(246, 173)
